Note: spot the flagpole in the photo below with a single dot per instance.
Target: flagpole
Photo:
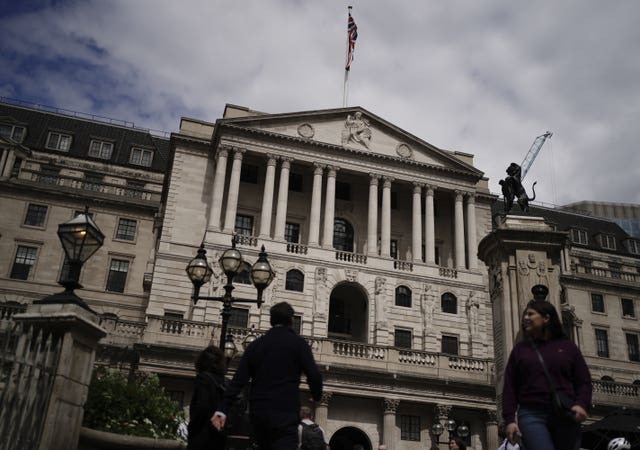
(345, 87)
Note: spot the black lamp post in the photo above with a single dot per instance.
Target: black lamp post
(232, 264)
(453, 429)
(80, 238)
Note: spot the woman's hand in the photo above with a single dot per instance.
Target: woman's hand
(581, 414)
(512, 432)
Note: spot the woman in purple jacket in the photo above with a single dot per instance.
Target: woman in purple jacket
(527, 389)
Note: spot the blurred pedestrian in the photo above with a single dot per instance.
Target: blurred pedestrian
(455, 443)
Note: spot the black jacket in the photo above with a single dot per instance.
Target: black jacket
(207, 392)
(274, 363)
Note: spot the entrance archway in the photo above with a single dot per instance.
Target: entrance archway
(345, 439)
(348, 313)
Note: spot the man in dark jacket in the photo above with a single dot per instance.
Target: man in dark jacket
(273, 364)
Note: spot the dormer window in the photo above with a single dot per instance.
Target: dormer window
(14, 132)
(579, 236)
(141, 156)
(100, 149)
(633, 245)
(58, 141)
(608, 241)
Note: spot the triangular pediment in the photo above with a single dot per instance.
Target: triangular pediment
(354, 129)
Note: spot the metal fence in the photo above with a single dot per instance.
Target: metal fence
(28, 358)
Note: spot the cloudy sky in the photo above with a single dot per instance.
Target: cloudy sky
(482, 77)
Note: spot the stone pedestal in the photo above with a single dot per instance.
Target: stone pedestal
(522, 252)
(79, 331)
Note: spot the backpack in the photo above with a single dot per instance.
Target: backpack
(312, 437)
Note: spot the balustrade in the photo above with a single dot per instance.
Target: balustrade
(448, 272)
(243, 239)
(351, 257)
(602, 272)
(298, 249)
(403, 265)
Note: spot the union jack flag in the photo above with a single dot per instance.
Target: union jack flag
(352, 35)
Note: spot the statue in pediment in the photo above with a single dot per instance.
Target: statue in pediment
(357, 129)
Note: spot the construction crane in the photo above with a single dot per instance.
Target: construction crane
(533, 152)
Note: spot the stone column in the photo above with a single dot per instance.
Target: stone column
(322, 410)
(429, 227)
(372, 223)
(493, 440)
(416, 231)
(283, 198)
(385, 226)
(472, 236)
(267, 197)
(79, 333)
(316, 199)
(234, 189)
(217, 190)
(389, 423)
(459, 231)
(329, 207)
(3, 160)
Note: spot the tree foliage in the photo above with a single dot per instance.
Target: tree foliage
(136, 406)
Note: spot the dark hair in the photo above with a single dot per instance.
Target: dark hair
(211, 359)
(544, 308)
(460, 442)
(281, 314)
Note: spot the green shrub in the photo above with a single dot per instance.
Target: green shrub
(136, 406)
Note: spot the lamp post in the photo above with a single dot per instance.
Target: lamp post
(232, 264)
(453, 429)
(80, 238)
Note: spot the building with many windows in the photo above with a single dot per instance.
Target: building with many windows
(373, 234)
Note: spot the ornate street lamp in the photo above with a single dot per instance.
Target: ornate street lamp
(80, 239)
(452, 429)
(231, 263)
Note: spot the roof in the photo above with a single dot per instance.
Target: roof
(565, 220)
(82, 132)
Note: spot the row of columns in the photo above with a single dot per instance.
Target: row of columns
(389, 436)
(329, 210)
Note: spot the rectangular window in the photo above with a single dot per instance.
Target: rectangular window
(608, 241)
(35, 215)
(409, 428)
(402, 338)
(126, 229)
(602, 343)
(393, 251)
(343, 191)
(628, 309)
(292, 232)
(58, 141)
(100, 149)
(117, 275)
(244, 225)
(632, 347)
(633, 246)
(13, 132)
(295, 182)
(249, 174)
(579, 236)
(239, 318)
(597, 303)
(23, 263)
(141, 156)
(297, 324)
(449, 345)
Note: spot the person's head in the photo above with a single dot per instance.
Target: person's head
(281, 314)
(305, 413)
(211, 359)
(619, 444)
(540, 319)
(455, 443)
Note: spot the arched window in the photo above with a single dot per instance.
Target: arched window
(449, 303)
(342, 235)
(295, 281)
(403, 296)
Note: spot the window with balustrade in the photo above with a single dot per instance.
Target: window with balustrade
(409, 428)
(602, 343)
(403, 296)
(36, 215)
(294, 281)
(244, 225)
(402, 338)
(342, 235)
(628, 308)
(597, 303)
(632, 347)
(449, 303)
(292, 232)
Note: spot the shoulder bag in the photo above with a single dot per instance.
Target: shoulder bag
(559, 400)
